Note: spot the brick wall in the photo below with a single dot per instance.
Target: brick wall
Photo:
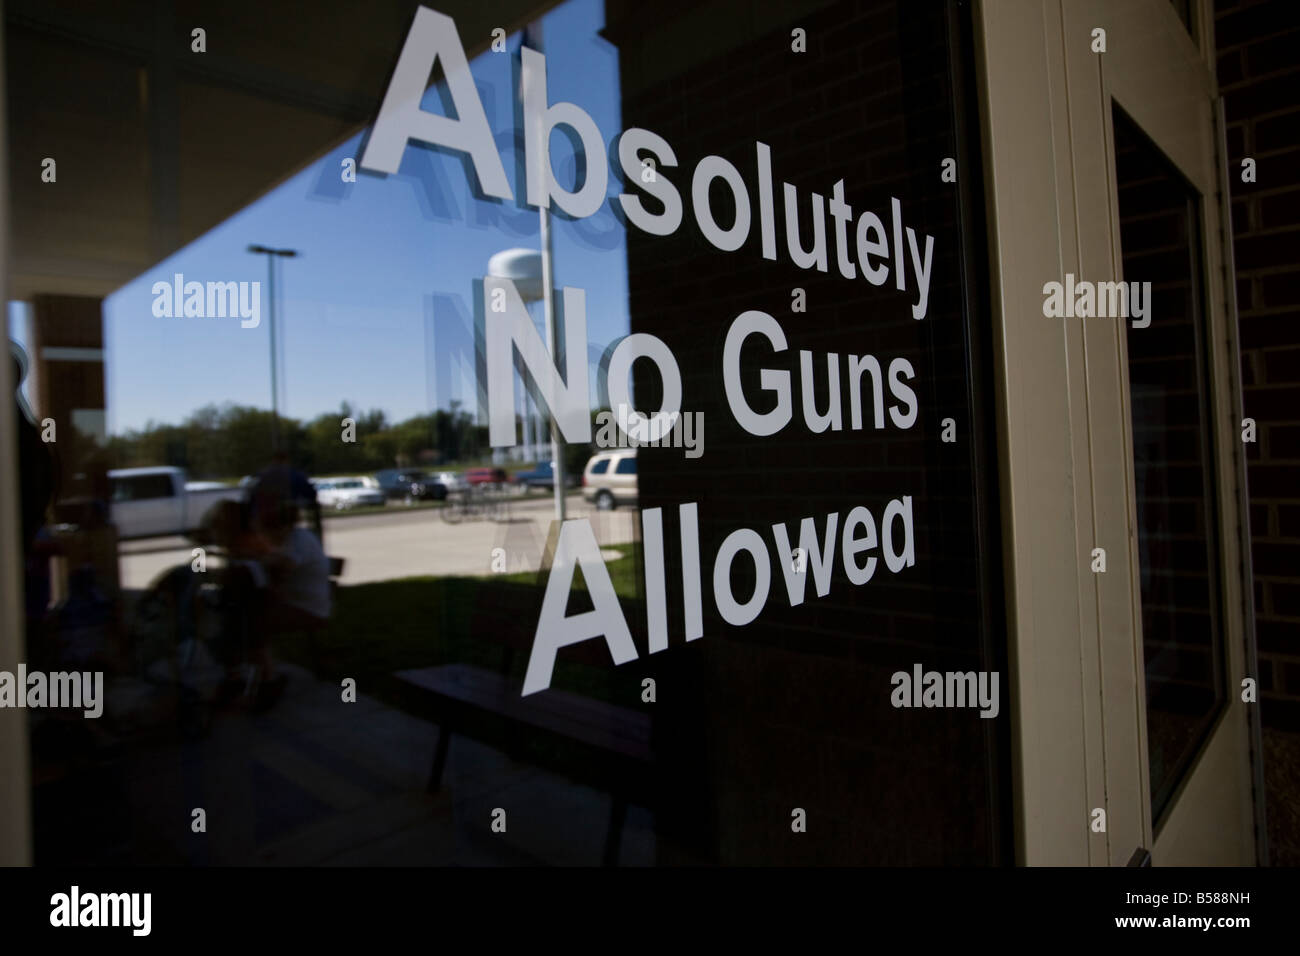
(1258, 47)
(793, 709)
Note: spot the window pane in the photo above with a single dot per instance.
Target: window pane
(1173, 458)
(156, 486)
(325, 315)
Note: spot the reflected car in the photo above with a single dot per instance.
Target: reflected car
(160, 501)
(453, 481)
(344, 494)
(409, 485)
(485, 476)
(609, 479)
(543, 476)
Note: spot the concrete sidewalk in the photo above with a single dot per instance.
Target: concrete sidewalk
(319, 781)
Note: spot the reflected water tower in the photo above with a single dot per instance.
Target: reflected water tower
(523, 267)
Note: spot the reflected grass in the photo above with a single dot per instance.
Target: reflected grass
(386, 626)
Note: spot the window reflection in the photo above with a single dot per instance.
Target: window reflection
(277, 520)
(1173, 460)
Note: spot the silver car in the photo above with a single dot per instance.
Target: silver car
(453, 481)
(343, 494)
(609, 479)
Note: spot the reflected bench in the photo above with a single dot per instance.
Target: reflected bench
(602, 745)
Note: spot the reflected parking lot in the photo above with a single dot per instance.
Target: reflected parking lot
(401, 542)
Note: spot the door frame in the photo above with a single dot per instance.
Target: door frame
(1065, 430)
(15, 785)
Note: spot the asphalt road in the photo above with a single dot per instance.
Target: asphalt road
(400, 542)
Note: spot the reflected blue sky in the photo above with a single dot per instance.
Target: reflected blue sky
(377, 309)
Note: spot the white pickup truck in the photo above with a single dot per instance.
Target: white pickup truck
(159, 501)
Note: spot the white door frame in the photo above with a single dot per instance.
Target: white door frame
(1065, 433)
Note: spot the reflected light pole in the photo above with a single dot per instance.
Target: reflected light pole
(545, 264)
(270, 294)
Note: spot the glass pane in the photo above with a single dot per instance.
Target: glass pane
(244, 287)
(1173, 457)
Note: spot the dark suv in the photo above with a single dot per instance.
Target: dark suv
(543, 476)
(410, 486)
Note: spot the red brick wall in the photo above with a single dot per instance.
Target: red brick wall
(1258, 47)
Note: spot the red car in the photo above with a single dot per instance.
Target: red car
(485, 476)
